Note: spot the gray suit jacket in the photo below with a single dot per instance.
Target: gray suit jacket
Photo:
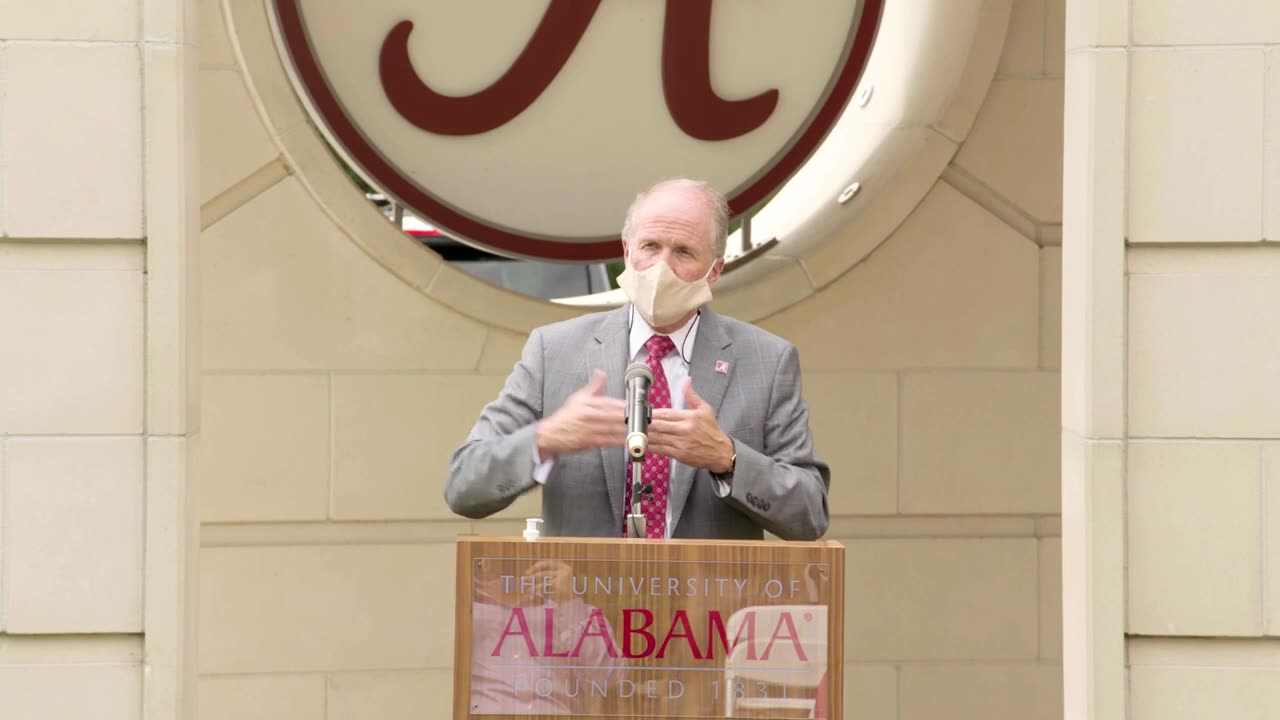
(779, 483)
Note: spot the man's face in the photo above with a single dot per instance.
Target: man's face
(673, 226)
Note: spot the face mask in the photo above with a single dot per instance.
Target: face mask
(660, 296)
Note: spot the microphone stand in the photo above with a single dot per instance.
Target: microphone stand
(638, 380)
(635, 523)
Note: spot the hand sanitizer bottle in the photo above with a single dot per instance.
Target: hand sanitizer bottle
(531, 529)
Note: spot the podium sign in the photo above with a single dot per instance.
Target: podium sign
(648, 629)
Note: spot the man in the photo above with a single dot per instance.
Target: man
(730, 454)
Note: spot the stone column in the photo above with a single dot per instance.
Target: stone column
(97, 412)
(1171, 359)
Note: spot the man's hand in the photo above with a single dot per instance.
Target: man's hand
(691, 436)
(588, 419)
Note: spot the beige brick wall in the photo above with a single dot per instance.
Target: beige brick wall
(98, 415)
(1185, 678)
(50, 676)
(1204, 360)
(931, 369)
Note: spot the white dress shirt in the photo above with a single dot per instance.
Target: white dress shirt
(676, 367)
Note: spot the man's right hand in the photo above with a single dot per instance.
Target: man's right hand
(588, 419)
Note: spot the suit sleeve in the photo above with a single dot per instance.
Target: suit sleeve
(495, 464)
(784, 487)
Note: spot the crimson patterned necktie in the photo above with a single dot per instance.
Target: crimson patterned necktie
(657, 468)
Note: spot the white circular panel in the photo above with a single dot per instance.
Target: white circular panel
(527, 127)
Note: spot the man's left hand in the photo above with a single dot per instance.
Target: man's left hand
(691, 436)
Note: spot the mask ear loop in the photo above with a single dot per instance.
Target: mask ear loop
(683, 343)
(696, 319)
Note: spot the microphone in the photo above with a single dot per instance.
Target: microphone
(638, 379)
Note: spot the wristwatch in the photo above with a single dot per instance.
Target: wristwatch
(727, 475)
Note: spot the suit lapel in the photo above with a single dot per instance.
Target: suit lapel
(711, 348)
(608, 352)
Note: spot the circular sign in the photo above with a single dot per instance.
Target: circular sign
(527, 128)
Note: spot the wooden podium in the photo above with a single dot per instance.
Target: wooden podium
(600, 628)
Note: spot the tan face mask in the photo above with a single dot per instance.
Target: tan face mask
(660, 296)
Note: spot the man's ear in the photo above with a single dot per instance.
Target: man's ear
(717, 267)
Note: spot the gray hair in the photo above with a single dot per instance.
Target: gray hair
(716, 204)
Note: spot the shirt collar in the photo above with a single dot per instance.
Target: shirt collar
(683, 338)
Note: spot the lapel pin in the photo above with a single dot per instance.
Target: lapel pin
(722, 367)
